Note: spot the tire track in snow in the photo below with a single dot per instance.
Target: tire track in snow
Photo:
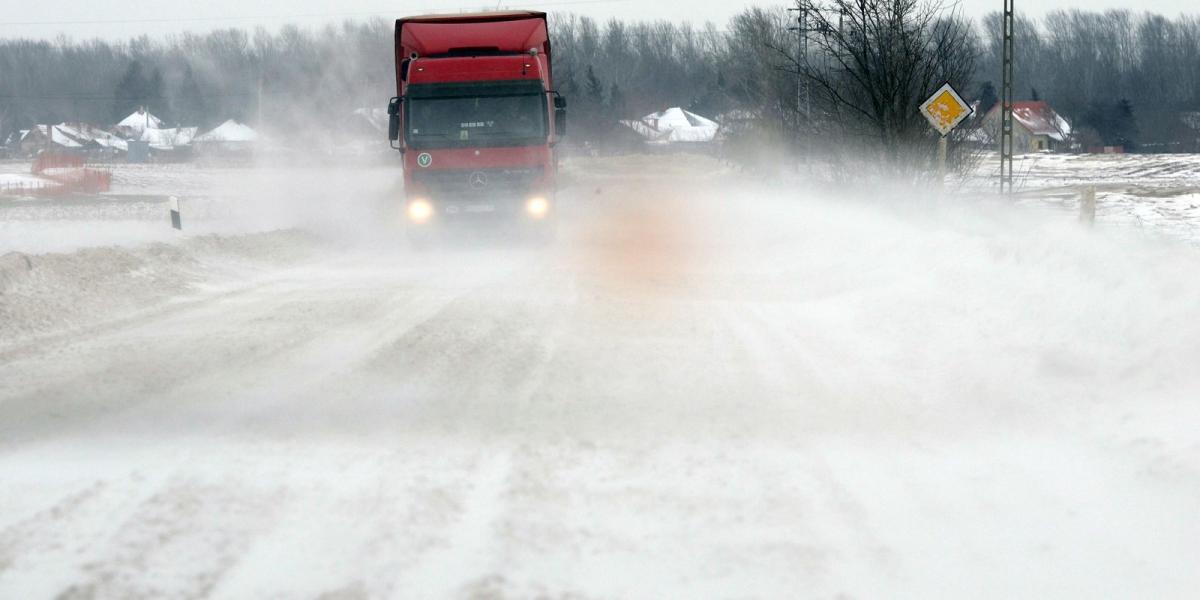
(469, 554)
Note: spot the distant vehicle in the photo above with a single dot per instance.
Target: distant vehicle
(477, 120)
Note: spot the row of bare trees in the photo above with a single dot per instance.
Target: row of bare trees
(868, 66)
(294, 79)
(1097, 68)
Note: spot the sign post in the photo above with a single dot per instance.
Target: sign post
(945, 110)
(176, 215)
(943, 150)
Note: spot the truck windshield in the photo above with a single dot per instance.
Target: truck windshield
(511, 113)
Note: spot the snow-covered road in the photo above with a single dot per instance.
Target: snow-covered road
(700, 391)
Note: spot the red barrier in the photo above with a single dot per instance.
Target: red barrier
(57, 160)
(62, 174)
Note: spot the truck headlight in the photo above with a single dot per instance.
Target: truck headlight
(420, 211)
(537, 207)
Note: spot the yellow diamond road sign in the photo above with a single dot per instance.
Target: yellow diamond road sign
(945, 110)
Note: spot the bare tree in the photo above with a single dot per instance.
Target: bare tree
(870, 66)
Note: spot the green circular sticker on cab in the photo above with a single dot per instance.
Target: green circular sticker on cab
(424, 160)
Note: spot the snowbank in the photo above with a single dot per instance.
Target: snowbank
(53, 292)
(712, 386)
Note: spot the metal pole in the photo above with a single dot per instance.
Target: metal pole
(799, 29)
(262, 66)
(805, 29)
(259, 108)
(1006, 113)
(943, 150)
(803, 91)
(808, 150)
(801, 34)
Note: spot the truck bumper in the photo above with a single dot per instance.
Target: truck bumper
(536, 216)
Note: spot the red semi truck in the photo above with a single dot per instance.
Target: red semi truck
(476, 119)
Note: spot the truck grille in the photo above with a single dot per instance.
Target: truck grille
(479, 183)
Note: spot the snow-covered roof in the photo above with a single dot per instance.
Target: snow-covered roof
(230, 131)
(58, 136)
(83, 133)
(141, 120)
(168, 139)
(113, 143)
(1039, 119)
(674, 125)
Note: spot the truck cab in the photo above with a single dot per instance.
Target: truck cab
(477, 121)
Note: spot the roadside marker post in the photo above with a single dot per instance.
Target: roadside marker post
(176, 217)
(945, 110)
(1087, 206)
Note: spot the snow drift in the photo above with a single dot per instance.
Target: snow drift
(711, 386)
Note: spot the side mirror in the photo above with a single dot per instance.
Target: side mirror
(560, 102)
(394, 128)
(560, 121)
(394, 119)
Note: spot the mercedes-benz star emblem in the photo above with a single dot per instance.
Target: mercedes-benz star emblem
(478, 180)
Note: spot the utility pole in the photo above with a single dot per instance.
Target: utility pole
(803, 91)
(1006, 99)
(262, 76)
(259, 103)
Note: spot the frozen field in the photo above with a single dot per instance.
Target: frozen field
(705, 389)
(1154, 194)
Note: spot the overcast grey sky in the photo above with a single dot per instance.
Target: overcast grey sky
(125, 18)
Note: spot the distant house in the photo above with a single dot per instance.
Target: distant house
(229, 139)
(43, 138)
(674, 126)
(168, 139)
(1037, 128)
(169, 145)
(74, 138)
(95, 141)
(149, 138)
(131, 127)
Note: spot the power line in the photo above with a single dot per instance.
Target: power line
(278, 17)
